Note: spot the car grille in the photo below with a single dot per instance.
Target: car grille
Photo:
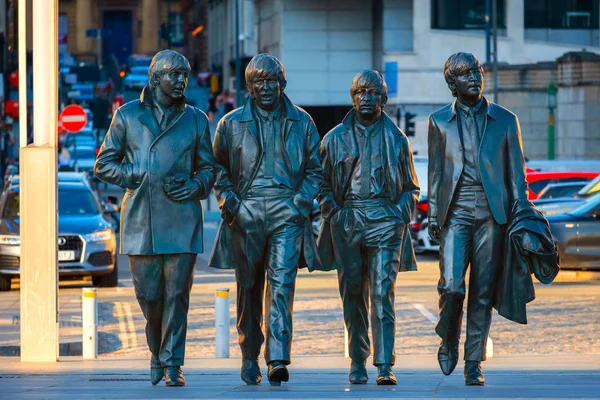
(72, 242)
(9, 262)
(100, 258)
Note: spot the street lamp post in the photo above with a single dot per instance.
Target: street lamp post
(552, 89)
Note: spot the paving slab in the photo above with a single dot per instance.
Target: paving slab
(528, 376)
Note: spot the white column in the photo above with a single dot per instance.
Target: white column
(38, 197)
(515, 31)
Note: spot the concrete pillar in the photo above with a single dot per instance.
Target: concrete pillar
(150, 26)
(515, 31)
(83, 22)
(422, 28)
(38, 194)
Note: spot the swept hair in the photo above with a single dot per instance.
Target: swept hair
(458, 64)
(263, 66)
(369, 78)
(164, 62)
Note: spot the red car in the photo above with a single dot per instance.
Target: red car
(538, 180)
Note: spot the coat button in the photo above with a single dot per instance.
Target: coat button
(456, 178)
(253, 159)
(153, 172)
(154, 149)
(175, 148)
(460, 149)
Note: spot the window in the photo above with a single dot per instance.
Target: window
(564, 14)
(176, 29)
(462, 14)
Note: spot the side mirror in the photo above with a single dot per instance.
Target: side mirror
(110, 208)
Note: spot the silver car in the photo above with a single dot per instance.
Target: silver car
(87, 244)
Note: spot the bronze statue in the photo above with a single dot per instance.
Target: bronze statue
(367, 197)
(476, 175)
(158, 148)
(267, 154)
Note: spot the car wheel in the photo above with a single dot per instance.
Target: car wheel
(110, 280)
(4, 284)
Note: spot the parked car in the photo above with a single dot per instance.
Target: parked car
(87, 243)
(561, 190)
(85, 137)
(564, 165)
(577, 234)
(566, 204)
(84, 158)
(539, 180)
(137, 78)
(419, 224)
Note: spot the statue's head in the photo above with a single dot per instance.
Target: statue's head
(169, 72)
(464, 75)
(369, 94)
(265, 80)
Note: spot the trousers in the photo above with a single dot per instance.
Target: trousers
(366, 246)
(267, 241)
(471, 237)
(162, 286)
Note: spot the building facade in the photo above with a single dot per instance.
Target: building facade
(324, 43)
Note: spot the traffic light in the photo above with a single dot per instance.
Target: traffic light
(409, 124)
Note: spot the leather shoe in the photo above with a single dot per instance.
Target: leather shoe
(250, 372)
(448, 356)
(358, 373)
(473, 373)
(278, 373)
(174, 376)
(157, 372)
(385, 376)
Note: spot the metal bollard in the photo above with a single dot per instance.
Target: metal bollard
(222, 322)
(346, 348)
(89, 318)
(489, 348)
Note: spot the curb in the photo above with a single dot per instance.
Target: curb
(579, 275)
(64, 349)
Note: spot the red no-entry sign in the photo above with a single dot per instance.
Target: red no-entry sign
(73, 118)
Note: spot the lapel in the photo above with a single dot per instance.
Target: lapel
(348, 138)
(147, 118)
(247, 118)
(452, 133)
(291, 115)
(490, 121)
(175, 120)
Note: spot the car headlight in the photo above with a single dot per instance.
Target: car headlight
(10, 240)
(99, 236)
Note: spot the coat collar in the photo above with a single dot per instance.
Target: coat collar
(385, 119)
(147, 116)
(489, 106)
(290, 110)
(147, 100)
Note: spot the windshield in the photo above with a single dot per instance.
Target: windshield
(70, 202)
(589, 205)
(76, 202)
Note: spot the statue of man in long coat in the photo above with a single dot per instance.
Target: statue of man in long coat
(476, 174)
(158, 149)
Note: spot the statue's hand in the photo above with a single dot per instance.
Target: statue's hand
(186, 192)
(434, 231)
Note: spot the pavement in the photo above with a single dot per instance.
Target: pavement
(507, 377)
